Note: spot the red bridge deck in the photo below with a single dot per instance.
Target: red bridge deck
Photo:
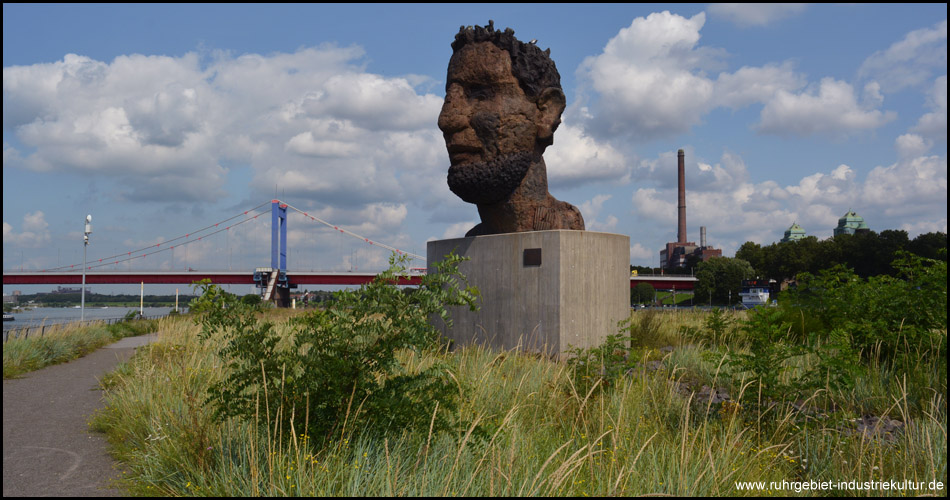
(667, 282)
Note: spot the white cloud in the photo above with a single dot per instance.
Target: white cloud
(375, 103)
(913, 186)
(314, 122)
(607, 226)
(34, 234)
(909, 62)
(754, 14)
(457, 230)
(933, 125)
(923, 227)
(306, 144)
(749, 85)
(911, 145)
(646, 74)
(591, 209)
(700, 175)
(640, 253)
(831, 109)
(651, 80)
(576, 158)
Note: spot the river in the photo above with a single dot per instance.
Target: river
(54, 315)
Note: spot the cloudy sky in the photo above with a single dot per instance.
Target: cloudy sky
(161, 120)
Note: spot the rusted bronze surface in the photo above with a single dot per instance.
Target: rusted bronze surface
(503, 102)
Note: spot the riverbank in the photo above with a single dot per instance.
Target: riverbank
(63, 342)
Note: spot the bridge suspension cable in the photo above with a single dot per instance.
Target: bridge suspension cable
(365, 239)
(128, 255)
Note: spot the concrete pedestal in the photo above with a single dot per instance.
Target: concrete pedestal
(541, 291)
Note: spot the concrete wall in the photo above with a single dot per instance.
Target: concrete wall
(574, 297)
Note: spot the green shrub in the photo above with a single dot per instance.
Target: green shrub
(602, 365)
(768, 362)
(339, 369)
(884, 316)
(620, 353)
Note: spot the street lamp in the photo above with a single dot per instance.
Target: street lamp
(85, 242)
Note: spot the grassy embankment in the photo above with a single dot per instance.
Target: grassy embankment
(64, 342)
(649, 432)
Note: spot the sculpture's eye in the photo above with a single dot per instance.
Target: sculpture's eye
(479, 92)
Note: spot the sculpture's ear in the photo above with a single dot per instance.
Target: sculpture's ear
(551, 104)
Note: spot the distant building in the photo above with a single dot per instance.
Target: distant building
(851, 223)
(676, 253)
(793, 233)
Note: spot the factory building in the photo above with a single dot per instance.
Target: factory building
(676, 253)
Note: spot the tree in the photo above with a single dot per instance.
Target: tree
(929, 245)
(721, 278)
(754, 254)
(642, 293)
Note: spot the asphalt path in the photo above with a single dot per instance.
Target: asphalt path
(48, 448)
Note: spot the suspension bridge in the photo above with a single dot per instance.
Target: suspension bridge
(275, 281)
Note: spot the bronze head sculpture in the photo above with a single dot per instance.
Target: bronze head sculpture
(503, 102)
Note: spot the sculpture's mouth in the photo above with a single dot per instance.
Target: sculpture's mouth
(461, 154)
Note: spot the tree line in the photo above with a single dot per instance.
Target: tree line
(96, 299)
(868, 254)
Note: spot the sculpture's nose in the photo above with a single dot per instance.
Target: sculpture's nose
(454, 116)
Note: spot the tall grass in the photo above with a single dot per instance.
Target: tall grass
(529, 430)
(64, 342)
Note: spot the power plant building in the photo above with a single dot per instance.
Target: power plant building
(676, 253)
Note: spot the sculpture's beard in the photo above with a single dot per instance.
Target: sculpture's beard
(487, 183)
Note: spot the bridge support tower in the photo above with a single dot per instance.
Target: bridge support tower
(274, 279)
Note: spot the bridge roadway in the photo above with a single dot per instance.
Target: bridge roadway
(659, 282)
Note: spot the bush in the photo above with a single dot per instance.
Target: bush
(339, 369)
(253, 300)
(769, 356)
(602, 365)
(882, 316)
(835, 319)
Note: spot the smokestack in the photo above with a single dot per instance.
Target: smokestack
(702, 236)
(681, 232)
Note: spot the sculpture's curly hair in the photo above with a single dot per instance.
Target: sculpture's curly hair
(532, 66)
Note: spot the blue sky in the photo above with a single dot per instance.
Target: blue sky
(163, 119)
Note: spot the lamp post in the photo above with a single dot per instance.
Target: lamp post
(85, 242)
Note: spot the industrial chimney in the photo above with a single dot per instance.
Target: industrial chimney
(702, 236)
(681, 232)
